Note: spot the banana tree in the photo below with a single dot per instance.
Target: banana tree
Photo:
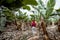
(47, 9)
(45, 12)
(22, 16)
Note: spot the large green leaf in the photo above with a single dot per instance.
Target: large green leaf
(26, 7)
(51, 3)
(50, 7)
(48, 12)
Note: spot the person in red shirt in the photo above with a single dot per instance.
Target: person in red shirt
(33, 25)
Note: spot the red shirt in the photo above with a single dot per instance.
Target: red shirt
(33, 23)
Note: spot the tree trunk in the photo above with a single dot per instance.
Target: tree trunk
(43, 25)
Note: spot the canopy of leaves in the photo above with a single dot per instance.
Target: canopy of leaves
(12, 4)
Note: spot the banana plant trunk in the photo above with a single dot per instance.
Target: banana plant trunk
(43, 26)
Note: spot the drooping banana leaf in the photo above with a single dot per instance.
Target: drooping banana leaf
(50, 7)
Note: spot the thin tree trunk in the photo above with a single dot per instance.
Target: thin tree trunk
(43, 25)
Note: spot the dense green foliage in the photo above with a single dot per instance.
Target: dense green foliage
(9, 14)
(13, 4)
